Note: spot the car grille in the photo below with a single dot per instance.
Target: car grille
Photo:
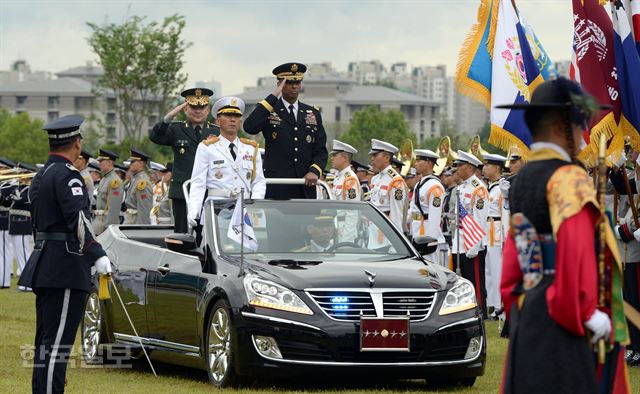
(359, 304)
(417, 304)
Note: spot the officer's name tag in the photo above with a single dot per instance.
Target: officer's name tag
(76, 191)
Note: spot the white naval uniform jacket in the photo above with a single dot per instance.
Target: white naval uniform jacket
(474, 197)
(215, 170)
(498, 216)
(389, 194)
(346, 186)
(428, 195)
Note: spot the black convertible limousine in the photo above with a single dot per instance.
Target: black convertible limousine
(305, 296)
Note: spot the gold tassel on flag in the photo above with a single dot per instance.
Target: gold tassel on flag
(103, 290)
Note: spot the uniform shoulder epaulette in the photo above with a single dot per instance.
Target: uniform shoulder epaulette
(391, 172)
(71, 167)
(141, 184)
(212, 139)
(115, 183)
(475, 183)
(248, 141)
(348, 174)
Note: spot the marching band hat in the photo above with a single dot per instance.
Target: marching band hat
(106, 155)
(359, 166)
(156, 166)
(381, 146)
(169, 167)
(426, 154)
(137, 154)
(228, 105)
(498, 160)
(197, 96)
(124, 167)
(396, 163)
(6, 162)
(63, 129)
(449, 171)
(339, 146)
(94, 166)
(412, 173)
(85, 155)
(290, 71)
(468, 158)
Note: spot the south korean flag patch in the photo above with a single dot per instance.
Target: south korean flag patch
(76, 186)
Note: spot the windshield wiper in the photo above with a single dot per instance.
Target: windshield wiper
(290, 263)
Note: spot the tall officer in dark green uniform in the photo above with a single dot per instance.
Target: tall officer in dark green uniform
(295, 140)
(184, 138)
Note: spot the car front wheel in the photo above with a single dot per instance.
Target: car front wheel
(220, 351)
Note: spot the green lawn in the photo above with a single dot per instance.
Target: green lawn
(17, 327)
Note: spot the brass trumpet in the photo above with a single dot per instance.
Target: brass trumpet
(24, 175)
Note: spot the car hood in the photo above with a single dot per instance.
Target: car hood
(402, 274)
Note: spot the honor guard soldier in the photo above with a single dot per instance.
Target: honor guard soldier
(293, 133)
(468, 242)
(427, 203)
(550, 268)
(388, 190)
(139, 196)
(6, 246)
(82, 164)
(362, 172)
(225, 165)
(184, 138)
(110, 193)
(161, 212)
(59, 269)
(20, 229)
(496, 230)
(345, 188)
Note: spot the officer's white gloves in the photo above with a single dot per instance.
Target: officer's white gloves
(103, 265)
(504, 186)
(192, 222)
(600, 325)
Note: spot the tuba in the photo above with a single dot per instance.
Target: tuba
(407, 157)
(476, 149)
(447, 155)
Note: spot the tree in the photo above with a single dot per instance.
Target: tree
(22, 138)
(371, 122)
(142, 63)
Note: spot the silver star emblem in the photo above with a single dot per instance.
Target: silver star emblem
(366, 333)
(375, 333)
(402, 334)
(393, 333)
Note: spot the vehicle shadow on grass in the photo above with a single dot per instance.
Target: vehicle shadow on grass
(302, 383)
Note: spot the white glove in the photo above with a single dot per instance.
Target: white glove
(636, 235)
(504, 186)
(103, 265)
(192, 222)
(600, 325)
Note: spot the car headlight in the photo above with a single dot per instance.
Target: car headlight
(266, 294)
(461, 297)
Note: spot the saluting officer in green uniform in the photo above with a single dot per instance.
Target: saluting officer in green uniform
(184, 138)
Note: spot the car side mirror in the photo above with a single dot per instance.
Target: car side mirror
(182, 243)
(425, 245)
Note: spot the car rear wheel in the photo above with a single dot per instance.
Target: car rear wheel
(92, 329)
(220, 352)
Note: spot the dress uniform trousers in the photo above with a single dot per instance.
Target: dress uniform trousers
(58, 314)
(493, 274)
(6, 258)
(473, 269)
(22, 247)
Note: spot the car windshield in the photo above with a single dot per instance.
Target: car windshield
(308, 230)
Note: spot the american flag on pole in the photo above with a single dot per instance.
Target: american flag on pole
(472, 232)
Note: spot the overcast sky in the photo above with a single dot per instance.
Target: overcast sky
(235, 42)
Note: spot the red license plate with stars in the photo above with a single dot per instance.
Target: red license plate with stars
(384, 334)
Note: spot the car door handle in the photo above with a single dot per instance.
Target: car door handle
(164, 269)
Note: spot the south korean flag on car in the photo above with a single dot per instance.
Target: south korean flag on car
(236, 230)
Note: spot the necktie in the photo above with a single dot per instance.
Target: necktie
(233, 153)
(198, 128)
(292, 111)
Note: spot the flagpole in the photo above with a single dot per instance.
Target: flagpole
(241, 232)
(458, 230)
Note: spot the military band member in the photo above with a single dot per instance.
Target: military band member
(294, 135)
(362, 172)
(496, 230)
(82, 164)
(388, 190)
(110, 193)
(345, 188)
(6, 246)
(427, 203)
(226, 165)
(161, 212)
(139, 196)
(473, 196)
(184, 138)
(20, 229)
(59, 268)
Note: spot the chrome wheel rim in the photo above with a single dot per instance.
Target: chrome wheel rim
(219, 346)
(91, 327)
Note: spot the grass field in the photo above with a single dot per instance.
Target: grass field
(17, 327)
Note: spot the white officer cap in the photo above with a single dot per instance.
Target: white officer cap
(156, 166)
(426, 154)
(228, 105)
(468, 158)
(339, 146)
(381, 146)
(494, 159)
(126, 163)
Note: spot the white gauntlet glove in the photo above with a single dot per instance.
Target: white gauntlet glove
(504, 186)
(600, 325)
(103, 265)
